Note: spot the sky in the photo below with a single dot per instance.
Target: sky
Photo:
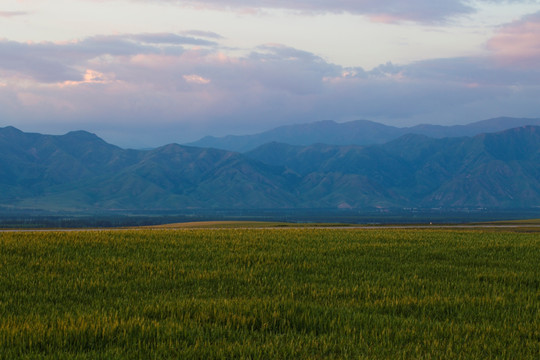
(145, 73)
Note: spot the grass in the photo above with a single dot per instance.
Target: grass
(221, 224)
(243, 225)
(519, 222)
(270, 293)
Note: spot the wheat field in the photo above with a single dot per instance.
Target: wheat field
(270, 294)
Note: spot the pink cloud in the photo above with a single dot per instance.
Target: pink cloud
(174, 93)
(518, 43)
(196, 79)
(90, 77)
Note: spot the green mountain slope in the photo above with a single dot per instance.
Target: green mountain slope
(79, 171)
(491, 170)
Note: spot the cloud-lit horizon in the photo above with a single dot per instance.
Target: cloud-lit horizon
(154, 85)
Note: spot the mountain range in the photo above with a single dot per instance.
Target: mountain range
(359, 132)
(79, 171)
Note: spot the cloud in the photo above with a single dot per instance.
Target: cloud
(427, 11)
(518, 43)
(34, 61)
(8, 14)
(204, 34)
(172, 39)
(67, 61)
(385, 11)
(90, 77)
(150, 89)
(196, 79)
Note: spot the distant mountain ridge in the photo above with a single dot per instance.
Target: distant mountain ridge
(81, 172)
(492, 170)
(359, 132)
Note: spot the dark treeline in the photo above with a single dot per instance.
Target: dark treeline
(38, 219)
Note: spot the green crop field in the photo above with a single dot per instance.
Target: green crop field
(270, 294)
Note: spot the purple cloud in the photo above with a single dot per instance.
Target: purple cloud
(385, 11)
(56, 62)
(37, 61)
(165, 88)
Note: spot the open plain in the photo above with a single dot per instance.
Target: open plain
(271, 293)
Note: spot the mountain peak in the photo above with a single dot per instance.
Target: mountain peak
(82, 135)
(10, 128)
(10, 131)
